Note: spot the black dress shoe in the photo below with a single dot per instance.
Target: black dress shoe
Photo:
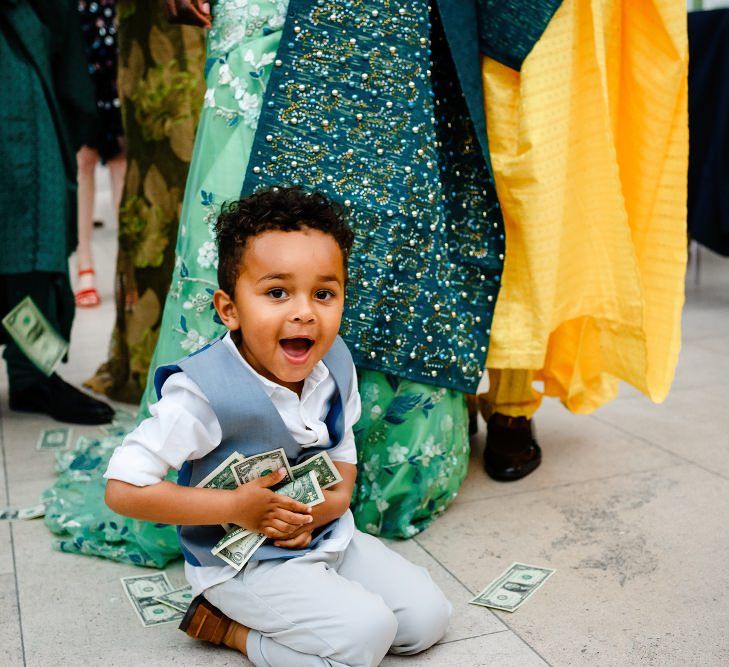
(63, 402)
(511, 450)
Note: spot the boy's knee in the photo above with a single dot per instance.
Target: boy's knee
(423, 622)
(370, 633)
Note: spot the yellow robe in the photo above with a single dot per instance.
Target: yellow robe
(589, 144)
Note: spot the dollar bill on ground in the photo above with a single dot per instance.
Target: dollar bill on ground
(35, 512)
(222, 477)
(326, 472)
(238, 554)
(305, 490)
(142, 591)
(178, 599)
(509, 591)
(24, 513)
(35, 336)
(261, 465)
(54, 438)
(229, 538)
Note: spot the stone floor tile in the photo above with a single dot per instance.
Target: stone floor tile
(705, 316)
(103, 623)
(467, 620)
(639, 562)
(502, 649)
(575, 448)
(719, 344)
(699, 367)
(6, 549)
(11, 646)
(691, 423)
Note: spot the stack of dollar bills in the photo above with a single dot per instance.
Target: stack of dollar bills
(154, 600)
(304, 483)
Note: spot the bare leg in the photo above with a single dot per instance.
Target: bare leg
(87, 159)
(117, 169)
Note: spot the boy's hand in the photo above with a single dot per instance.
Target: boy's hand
(336, 504)
(259, 509)
(300, 541)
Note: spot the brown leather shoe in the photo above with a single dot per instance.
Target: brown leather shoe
(205, 621)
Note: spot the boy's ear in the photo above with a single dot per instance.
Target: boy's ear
(227, 311)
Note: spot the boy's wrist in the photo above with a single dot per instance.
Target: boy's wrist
(336, 505)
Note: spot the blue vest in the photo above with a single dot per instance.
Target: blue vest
(250, 425)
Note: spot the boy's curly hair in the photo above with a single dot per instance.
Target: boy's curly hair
(285, 209)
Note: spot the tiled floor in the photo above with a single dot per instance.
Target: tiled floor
(630, 505)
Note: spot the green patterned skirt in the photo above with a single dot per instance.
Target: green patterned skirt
(413, 449)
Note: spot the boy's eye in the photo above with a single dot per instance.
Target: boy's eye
(324, 295)
(277, 293)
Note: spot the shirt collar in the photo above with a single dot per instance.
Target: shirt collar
(318, 374)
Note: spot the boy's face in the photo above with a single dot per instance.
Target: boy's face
(288, 303)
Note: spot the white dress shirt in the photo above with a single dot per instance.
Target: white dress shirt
(183, 427)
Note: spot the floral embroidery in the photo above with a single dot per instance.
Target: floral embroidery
(207, 255)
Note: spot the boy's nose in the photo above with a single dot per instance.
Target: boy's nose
(303, 313)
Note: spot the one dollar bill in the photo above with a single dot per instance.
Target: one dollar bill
(142, 591)
(326, 472)
(238, 554)
(24, 513)
(222, 477)
(35, 336)
(231, 537)
(509, 591)
(54, 438)
(304, 489)
(178, 599)
(261, 465)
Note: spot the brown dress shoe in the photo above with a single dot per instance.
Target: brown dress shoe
(205, 621)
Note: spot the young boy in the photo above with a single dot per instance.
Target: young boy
(319, 592)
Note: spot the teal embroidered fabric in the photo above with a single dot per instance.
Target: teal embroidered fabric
(508, 31)
(364, 104)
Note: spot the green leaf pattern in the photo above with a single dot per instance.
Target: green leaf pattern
(413, 449)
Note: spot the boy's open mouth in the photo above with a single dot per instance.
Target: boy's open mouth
(296, 348)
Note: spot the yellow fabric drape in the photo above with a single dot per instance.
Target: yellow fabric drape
(589, 145)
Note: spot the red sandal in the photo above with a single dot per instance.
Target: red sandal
(89, 297)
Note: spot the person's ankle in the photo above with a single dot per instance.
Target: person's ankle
(236, 637)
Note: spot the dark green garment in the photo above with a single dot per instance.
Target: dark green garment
(46, 99)
(505, 30)
(51, 292)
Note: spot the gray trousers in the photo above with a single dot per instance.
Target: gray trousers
(345, 608)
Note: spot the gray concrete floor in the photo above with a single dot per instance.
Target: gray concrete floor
(630, 507)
